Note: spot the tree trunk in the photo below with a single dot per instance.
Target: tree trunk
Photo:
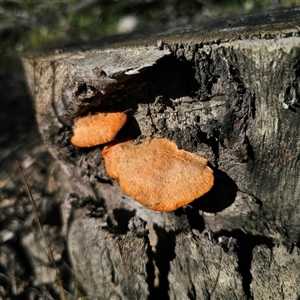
(227, 90)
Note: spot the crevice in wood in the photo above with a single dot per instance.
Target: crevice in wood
(150, 269)
(122, 216)
(211, 139)
(165, 252)
(195, 220)
(243, 248)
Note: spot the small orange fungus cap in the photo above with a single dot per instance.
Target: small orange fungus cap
(157, 174)
(97, 129)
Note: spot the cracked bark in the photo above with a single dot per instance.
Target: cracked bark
(230, 94)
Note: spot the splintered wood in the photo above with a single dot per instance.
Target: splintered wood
(157, 174)
(97, 129)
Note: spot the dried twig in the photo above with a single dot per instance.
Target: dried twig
(28, 192)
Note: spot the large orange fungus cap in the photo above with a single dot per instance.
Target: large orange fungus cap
(157, 174)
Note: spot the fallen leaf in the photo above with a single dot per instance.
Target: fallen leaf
(157, 174)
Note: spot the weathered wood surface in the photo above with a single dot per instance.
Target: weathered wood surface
(229, 93)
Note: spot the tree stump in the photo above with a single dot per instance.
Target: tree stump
(227, 90)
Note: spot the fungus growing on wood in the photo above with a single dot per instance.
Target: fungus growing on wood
(97, 129)
(157, 174)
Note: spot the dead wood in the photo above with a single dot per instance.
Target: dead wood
(230, 93)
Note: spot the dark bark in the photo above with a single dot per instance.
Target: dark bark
(230, 94)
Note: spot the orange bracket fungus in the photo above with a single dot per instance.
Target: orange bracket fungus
(97, 129)
(157, 174)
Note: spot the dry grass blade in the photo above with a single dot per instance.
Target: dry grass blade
(28, 192)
